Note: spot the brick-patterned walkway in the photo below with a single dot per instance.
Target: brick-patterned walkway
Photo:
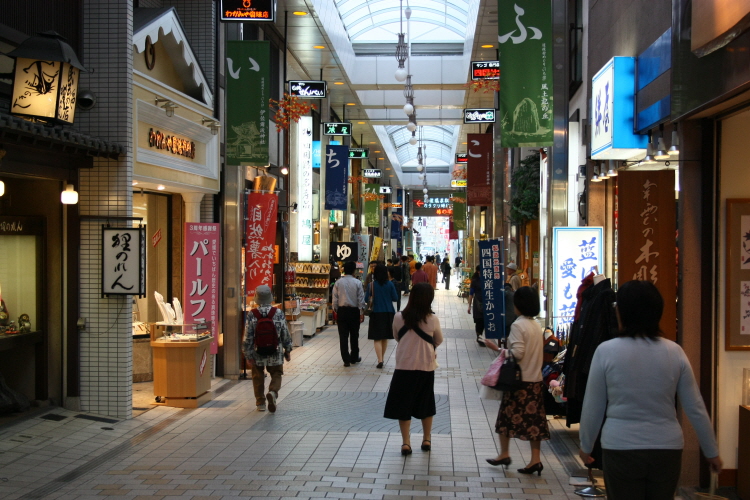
(328, 438)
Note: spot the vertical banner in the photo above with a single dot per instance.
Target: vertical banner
(260, 240)
(458, 204)
(397, 221)
(248, 83)
(377, 248)
(479, 170)
(576, 251)
(124, 261)
(337, 177)
(372, 205)
(363, 244)
(452, 232)
(493, 287)
(201, 283)
(647, 222)
(525, 42)
(304, 190)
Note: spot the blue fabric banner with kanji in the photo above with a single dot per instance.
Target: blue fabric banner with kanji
(337, 177)
(492, 274)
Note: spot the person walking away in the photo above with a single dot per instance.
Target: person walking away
(370, 270)
(634, 381)
(412, 264)
(384, 293)
(419, 275)
(405, 275)
(521, 414)
(445, 267)
(412, 390)
(432, 270)
(267, 344)
(476, 302)
(349, 304)
(396, 277)
(513, 276)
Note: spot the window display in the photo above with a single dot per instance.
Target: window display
(20, 274)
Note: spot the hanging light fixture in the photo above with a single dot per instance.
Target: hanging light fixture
(69, 196)
(674, 149)
(595, 177)
(612, 170)
(649, 158)
(402, 50)
(661, 149)
(413, 139)
(602, 174)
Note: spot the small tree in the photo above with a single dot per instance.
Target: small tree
(525, 182)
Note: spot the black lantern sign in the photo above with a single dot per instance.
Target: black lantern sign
(45, 78)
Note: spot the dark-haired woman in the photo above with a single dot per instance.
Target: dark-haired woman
(417, 331)
(521, 414)
(476, 302)
(634, 380)
(384, 294)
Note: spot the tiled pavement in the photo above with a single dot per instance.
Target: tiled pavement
(327, 440)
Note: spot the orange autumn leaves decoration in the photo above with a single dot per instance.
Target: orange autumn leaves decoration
(289, 109)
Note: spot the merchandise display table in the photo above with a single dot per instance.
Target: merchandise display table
(182, 372)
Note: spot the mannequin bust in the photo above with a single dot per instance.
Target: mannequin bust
(598, 278)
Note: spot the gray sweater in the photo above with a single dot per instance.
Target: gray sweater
(635, 382)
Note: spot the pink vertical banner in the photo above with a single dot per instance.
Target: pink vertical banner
(260, 238)
(201, 283)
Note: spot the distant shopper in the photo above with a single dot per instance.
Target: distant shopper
(432, 271)
(267, 344)
(412, 391)
(349, 304)
(384, 293)
(412, 264)
(396, 277)
(445, 267)
(419, 275)
(405, 275)
(514, 277)
(476, 302)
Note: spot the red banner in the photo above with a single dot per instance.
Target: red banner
(453, 233)
(260, 238)
(201, 284)
(479, 175)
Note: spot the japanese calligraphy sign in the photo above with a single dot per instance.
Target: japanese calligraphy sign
(647, 236)
(576, 252)
(525, 43)
(201, 283)
(458, 201)
(377, 246)
(479, 170)
(337, 177)
(260, 238)
(737, 292)
(372, 207)
(248, 84)
(124, 261)
(493, 287)
(304, 177)
(345, 251)
(363, 244)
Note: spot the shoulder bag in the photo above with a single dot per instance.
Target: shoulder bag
(368, 309)
(509, 378)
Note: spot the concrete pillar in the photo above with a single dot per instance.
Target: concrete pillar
(192, 206)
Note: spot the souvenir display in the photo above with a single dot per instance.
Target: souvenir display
(24, 323)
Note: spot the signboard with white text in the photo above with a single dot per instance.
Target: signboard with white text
(304, 189)
(202, 270)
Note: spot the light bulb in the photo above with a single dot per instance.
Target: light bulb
(2, 188)
(426, 197)
(284, 170)
(413, 141)
(419, 168)
(612, 172)
(407, 12)
(661, 150)
(401, 74)
(596, 178)
(69, 196)
(408, 109)
(411, 126)
(424, 190)
(674, 149)
(421, 176)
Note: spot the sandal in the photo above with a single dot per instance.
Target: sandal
(427, 446)
(406, 450)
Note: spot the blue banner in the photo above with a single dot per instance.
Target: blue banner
(493, 287)
(337, 177)
(397, 220)
(316, 156)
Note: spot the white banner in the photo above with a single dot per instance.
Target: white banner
(304, 190)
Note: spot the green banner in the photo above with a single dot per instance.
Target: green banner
(372, 207)
(525, 36)
(248, 84)
(459, 211)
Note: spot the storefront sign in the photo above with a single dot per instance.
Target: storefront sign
(337, 128)
(44, 89)
(525, 43)
(156, 238)
(124, 261)
(372, 206)
(309, 89)
(492, 273)
(248, 85)
(202, 271)
(612, 97)
(363, 246)
(485, 70)
(317, 154)
(576, 252)
(304, 189)
(458, 183)
(346, 251)
(396, 205)
(397, 222)
(647, 222)
(244, 10)
(359, 153)
(479, 115)
(260, 239)
(458, 202)
(337, 177)
(462, 158)
(479, 170)
(385, 189)
(175, 145)
(372, 173)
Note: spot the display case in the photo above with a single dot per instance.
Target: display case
(311, 285)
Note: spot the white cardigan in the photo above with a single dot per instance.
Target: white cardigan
(526, 343)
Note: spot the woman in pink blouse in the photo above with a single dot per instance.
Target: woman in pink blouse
(417, 331)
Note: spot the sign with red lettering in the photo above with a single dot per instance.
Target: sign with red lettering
(156, 238)
(202, 268)
(479, 170)
(260, 238)
(248, 10)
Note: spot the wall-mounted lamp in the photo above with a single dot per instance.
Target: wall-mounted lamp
(674, 149)
(612, 170)
(69, 196)
(169, 106)
(213, 125)
(595, 177)
(603, 175)
(661, 148)
(285, 170)
(649, 158)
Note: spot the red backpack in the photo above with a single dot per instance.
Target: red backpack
(266, 336)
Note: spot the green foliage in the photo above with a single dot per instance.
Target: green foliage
(525, 182)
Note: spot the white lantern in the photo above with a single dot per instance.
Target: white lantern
(69, 196)
(411, 126)
(413, 140)
(419, 168)
(408, 109)
(424, 190)
(401, 74)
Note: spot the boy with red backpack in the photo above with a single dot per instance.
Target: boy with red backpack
(267, 344)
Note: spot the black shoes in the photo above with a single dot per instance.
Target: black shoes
(426, 445)
(380, 365)
(355, 361)
(347, 365)
(537, 467)
(405, 449)
(503, 461)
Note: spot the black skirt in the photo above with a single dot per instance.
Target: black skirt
(411, 395)
(522, 414)
(381, 326)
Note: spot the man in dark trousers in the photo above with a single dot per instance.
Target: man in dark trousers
(349, 304)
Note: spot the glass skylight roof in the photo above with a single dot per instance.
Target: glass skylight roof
(439, 140)
(439, 21)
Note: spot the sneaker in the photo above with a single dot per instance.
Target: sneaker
(271, 397)
(260, 407)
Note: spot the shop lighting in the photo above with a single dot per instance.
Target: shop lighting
(294, 208)
(69, 196)
(661, 150)
(161, 187)
(487, 46)
(674, 149)
(135, 183)
(299, 13)
(284, 170)
(596, 178)
(602, 174)
(612, 170)
(2, 188)
(212, 124)
(168, 105)
(649, 158)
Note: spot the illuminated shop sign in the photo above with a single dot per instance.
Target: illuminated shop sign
(337, 128)
(372, 173)
(310, 89)
(485, 70)
(480, 115)
(385, 189)
(248, 10)
(359, 153)
(443, 203)
(175, 145)
(458, 183)
(462, 158)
